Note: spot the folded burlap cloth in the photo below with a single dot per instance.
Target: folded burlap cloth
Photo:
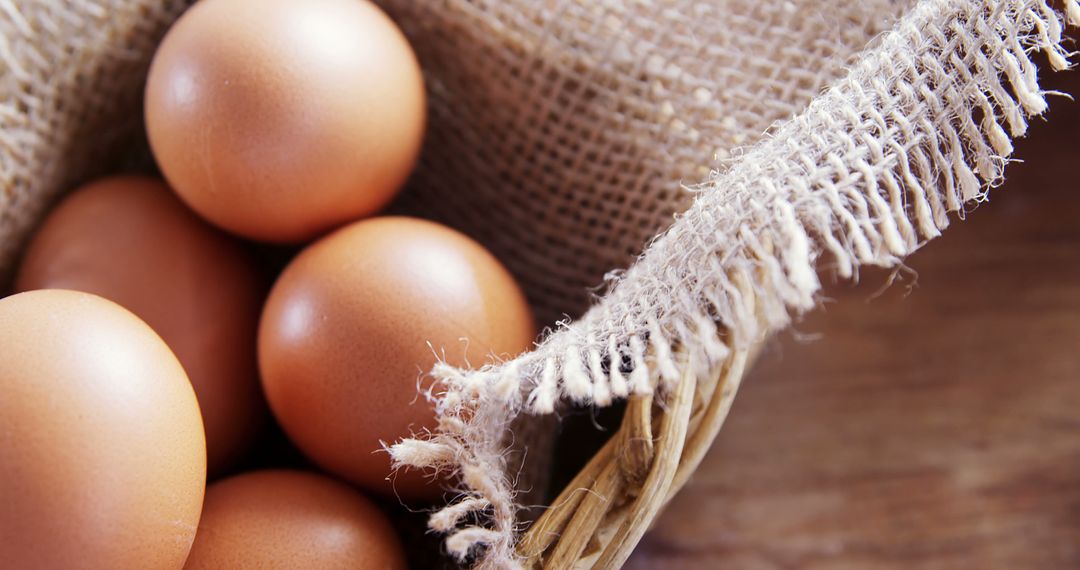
(791, 137)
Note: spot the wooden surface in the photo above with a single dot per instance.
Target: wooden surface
(936, 426)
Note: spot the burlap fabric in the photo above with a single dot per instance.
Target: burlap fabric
(794, 136)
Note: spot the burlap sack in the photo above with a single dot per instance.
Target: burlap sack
(794, 136)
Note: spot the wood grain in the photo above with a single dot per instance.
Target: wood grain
(935, 425)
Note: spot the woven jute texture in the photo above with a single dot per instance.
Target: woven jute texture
(563, 131)
(70, 99)
(644, 167)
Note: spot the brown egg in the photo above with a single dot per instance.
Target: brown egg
(282, 119)
(292, 520)
(344, 338)
(102, 455)
(130, 240)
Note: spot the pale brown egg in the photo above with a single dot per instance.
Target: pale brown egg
(102, 454)
(130, 240)
(292, 520)
(345, 334)
(282, 119)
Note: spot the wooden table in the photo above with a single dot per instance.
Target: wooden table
(936, 425)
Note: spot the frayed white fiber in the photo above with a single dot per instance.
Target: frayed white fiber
(506, 388)
(460, 543)
(542, 398)
(576, 382)
(665, 363)
(420, 453)
(446, 519)
(639, 376)
(714, 347)
(601, 387)
(616, 380)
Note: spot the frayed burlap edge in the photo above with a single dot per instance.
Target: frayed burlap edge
(921, 126)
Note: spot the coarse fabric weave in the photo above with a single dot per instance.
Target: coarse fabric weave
(640, 165)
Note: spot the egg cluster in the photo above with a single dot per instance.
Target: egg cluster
(149, 349)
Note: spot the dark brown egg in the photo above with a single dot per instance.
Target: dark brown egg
(102, 455)
(292, 520)
(130, 240)
(355, 321)
(282, 119)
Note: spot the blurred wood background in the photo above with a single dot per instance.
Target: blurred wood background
(935, 425)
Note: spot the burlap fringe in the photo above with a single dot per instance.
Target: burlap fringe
(920, 127)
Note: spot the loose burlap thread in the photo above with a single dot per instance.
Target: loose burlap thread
(790, 137)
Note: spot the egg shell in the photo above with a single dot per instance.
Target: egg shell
(355, 322)
(130, 240)
(282, 119)
(102, 453)
(292, 520)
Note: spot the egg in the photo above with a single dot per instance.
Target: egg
(292, 520)
(102, 454)
(130, 240)
(356, 320)
(282, 119)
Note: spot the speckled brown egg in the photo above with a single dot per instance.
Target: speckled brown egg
(292, 520)
(282, 119)
(102, 455)
(354, 323)
(130, 240)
